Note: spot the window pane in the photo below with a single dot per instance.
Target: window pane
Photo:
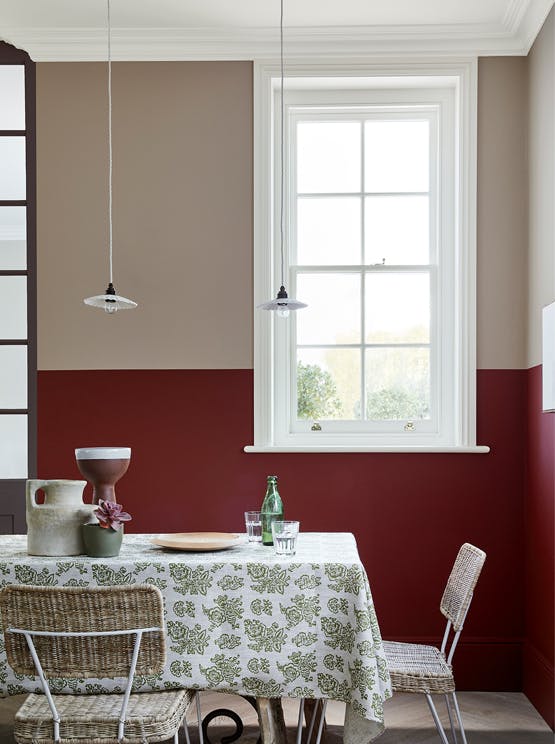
(328, 384)
(13, 230)
(328, 230)
(333, 312)
(397, 229)
(13, 446)
(12, 167)
(396, 156)
(397, 384)
(328, 157)
(13, 377)
(13, 307)
(12, 95)
(397, 308)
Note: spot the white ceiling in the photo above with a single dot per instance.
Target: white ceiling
(251, 13)
(244, 29)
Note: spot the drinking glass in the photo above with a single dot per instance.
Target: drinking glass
(285, 537)
(253, 523)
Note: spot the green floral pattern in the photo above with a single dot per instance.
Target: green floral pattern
(338, 635)
(226, 611)
(226, 640)
(268, 579)
(302, 610)
(299, 665)
(242, 620)
(224, 669)
(264, 637)
(259, 665)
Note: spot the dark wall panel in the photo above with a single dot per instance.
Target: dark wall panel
(409, 512)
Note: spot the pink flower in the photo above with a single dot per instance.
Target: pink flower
(111, 515)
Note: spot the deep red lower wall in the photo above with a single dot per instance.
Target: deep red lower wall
(540, 553)
(410, 513)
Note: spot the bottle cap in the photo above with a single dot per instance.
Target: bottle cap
(272, 477)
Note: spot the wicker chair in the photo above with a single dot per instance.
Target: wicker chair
(427, 669)
(81, 633)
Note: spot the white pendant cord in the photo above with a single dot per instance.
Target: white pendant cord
(282, 304)
(110, 140)
(282, 154)
(110, 301)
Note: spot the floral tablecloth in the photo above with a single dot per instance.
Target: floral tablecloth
(241, 620)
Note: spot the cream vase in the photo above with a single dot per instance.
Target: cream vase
(54, 527)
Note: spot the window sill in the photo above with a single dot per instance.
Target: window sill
(415, 449)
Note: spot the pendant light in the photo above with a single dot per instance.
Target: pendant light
(110, 301)
(283, 303)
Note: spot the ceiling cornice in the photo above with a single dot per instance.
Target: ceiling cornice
(532, 20)
(514, 35)
(514, 15)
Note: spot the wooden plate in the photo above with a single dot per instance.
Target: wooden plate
(198, 541)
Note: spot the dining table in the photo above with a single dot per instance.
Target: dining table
(242, 620)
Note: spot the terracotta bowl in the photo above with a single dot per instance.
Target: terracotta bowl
(103, 467)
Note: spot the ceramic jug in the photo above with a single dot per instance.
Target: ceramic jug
(54, 527)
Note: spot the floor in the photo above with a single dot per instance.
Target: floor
(490, 718)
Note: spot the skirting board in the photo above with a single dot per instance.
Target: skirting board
(539, 682)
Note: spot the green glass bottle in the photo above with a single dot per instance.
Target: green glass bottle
(271, 509)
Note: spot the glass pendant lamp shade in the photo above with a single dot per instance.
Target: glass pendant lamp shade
(282, 304)
(110, 302)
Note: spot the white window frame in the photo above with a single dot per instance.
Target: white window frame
(449, 86)
(19, 443)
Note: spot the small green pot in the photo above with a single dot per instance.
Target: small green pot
(101, 542)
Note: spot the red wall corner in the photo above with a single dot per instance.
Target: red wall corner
(538, 654)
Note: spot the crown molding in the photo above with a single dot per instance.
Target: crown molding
(88, 45)
(532, 20)
(514, 14)
(513, 35)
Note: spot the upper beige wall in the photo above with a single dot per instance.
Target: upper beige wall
(541, 277)
(182, 137)
(502, 212)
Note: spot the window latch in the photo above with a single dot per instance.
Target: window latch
(409, 426)
(315, 427)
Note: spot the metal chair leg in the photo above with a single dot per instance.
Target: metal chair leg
(300, 721)
(186, 730)
(451, 721)
(437, 722)
(199, 719)
(322, 721)
(176, 737)
(312, 720)
(459, 719)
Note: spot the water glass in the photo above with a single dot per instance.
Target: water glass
(253, 523)
(285, 537)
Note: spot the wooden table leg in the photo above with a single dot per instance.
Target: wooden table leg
(270, 720)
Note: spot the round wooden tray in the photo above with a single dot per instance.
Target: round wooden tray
(198, 541)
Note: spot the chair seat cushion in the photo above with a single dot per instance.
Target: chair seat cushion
(152, 716)
(417, 668)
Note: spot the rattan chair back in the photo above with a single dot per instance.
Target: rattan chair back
(460, 585)
(78, 610)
